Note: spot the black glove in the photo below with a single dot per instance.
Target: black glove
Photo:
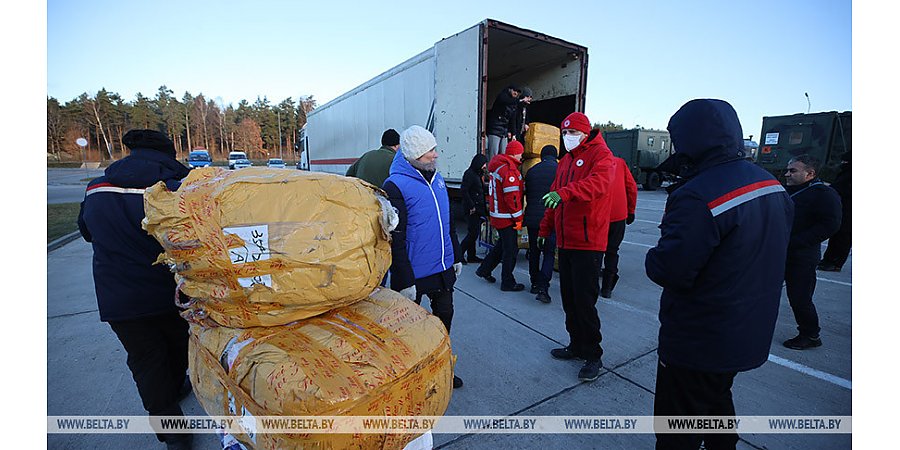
(630, 219)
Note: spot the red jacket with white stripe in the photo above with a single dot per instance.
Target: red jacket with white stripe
(583, 179)
(505, 189)
(624, 191)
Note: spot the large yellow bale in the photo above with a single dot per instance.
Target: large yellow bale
(263, 247)
(383, 356)
(537, 136)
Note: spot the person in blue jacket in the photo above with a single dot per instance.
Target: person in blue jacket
(720, 260)
(426, 259)
(540, 258)
(134, 295)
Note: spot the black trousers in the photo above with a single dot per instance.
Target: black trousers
(540, 260)
(839, 245)
(473, 227)
(441, 305)
(504, 251)
(800, 284)
(611, 255)
(685, 392)
(579, 286)
(157, 349)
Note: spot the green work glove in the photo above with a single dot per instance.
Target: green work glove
(541, 242)
(551, 199)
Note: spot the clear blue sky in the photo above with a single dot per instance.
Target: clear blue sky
(646, 57)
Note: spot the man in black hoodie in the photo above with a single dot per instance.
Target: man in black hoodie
(817, 216)
(501, 119)
(473, 205)
(134, 295)
(540, 258)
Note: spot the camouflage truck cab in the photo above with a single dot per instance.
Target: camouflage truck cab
(642, 150)
(825, 136)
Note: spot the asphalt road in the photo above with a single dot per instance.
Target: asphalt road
(67, 185)
(502, 340)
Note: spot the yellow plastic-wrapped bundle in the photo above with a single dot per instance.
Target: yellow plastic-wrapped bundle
(382, 356)
(263, 247)
(537, 136)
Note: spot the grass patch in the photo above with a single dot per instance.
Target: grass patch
(62, 219)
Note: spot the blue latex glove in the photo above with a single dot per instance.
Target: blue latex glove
(551, 199)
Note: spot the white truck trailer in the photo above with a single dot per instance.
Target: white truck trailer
(449, 90)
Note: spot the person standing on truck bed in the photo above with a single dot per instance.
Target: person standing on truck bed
(520, 124)
(578, 207)
(624, 201)
(817, 216)
(374, 166)
(717, 318)
(501, 119)
(474, 205)
(505, 212)
(425, 255)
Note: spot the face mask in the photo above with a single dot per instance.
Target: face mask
(571, 141)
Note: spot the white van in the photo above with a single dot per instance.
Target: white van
(234, 156)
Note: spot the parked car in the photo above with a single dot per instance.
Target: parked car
(234, 156)
(276, 163)
(241, 163)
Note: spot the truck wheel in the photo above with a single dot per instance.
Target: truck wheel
(652, 182)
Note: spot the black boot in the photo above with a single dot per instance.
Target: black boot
(609, 282)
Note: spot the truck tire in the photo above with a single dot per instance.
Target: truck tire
(653, 182)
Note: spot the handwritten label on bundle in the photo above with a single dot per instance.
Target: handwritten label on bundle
(256, 244)
(265, 280)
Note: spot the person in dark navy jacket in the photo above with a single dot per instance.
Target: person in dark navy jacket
(817, 217)
(540, 258)
(134, 295)
(426, 259)
(720, 261)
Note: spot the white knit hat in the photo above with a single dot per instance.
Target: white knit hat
(416, 141)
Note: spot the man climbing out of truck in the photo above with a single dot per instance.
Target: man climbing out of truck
(578, 207)
(501, 119)
(520, 124)
(506, 214)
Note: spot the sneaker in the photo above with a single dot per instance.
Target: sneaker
(514, 288)
(488, 277)
(590, 370)
(457, 382)
(802, 342)
(824, 267)
(565, 353)
(535, 289)
(543, 297)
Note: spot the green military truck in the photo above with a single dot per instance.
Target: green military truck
(642, 150)
(824, 135)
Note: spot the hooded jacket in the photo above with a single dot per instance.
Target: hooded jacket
(127, 282)
(424, 242)
(817, 217)
(473, 186)
(501, 117)
(504, 192)
(537, 184)
(624, 191)
(583, 178)
(720, 257)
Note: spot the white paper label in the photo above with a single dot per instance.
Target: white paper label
(771, 138)
(265, 280)
(256, 244)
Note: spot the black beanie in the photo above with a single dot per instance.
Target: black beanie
(548, 150)
(150, 139)
(390, 137)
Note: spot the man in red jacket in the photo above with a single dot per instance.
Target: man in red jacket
(624, 200)
(506, 215)
(578, 208)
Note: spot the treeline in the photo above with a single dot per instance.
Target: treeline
(259, 129)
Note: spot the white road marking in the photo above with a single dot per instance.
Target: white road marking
(833, 379)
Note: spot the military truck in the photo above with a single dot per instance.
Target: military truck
(642, 150)
(823, 135)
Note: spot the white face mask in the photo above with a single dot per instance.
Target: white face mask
(571, 141)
